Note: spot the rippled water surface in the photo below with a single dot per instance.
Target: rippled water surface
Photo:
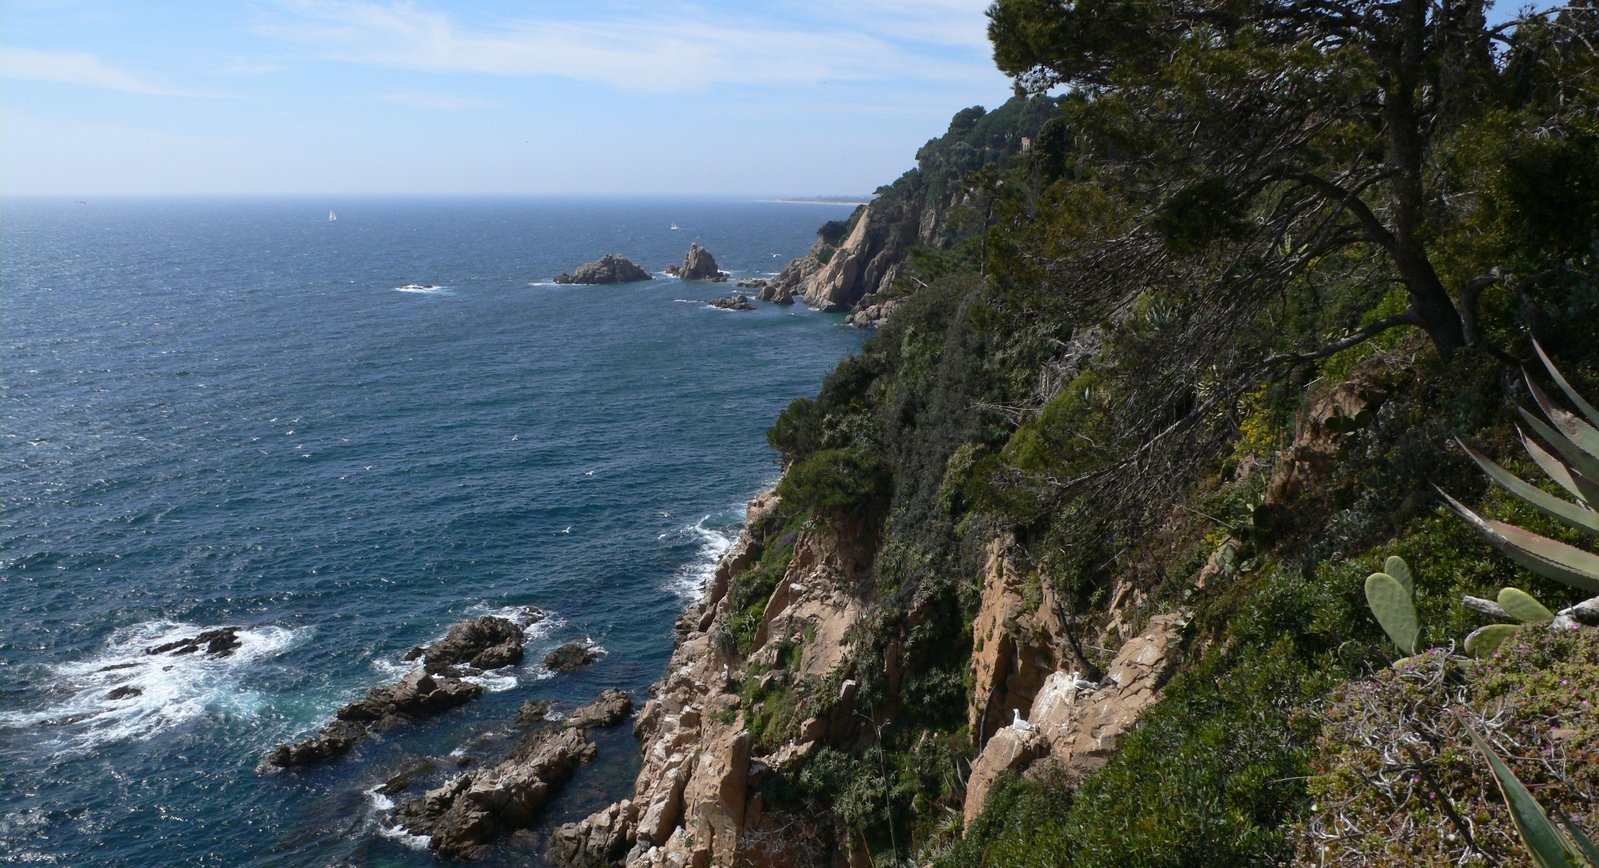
(342, 437)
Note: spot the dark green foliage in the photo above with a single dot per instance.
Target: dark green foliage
(837, 484)
(833, 232)
(1203, 213)
(1208, 778)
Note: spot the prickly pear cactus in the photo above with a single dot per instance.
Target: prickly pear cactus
(1395, 609)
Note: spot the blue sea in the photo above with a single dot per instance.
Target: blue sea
(344, 436)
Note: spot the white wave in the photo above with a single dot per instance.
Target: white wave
(494, 681)
(379, 800)
(164, 690)
(689, 581)
(689, 300)
(382, 804)
(423, 289)
(546, 283)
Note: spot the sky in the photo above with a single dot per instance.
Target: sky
(718, 97)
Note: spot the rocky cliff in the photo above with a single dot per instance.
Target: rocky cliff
(724, 722)
(854, 264)
(698, 799)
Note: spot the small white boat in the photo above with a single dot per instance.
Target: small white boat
(674, 226)
(332, 216)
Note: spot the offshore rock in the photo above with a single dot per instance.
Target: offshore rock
(464, 814)
(733, 302)
(610, 268)
(570, 656)
(419, 694)
(482, 643)
(479, 643)
(699, 264)
(329, 743)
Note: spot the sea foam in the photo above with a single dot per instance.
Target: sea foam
(169, 689)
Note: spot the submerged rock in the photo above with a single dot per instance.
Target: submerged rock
(124, 692)
(570, 656)
(610, 268)
(221, 642)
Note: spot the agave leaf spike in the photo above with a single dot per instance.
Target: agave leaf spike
(1524, 607)
(1545, 844)
(1569, 513)
(1395, 566)
(1544, 556)
(1584, 843)
(1586, 408)
(1484, 641)
(1395, 610)
(1582, 488)
(1580, 433)
(1580, 461)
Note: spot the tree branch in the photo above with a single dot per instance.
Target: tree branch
(1409, 317)
(1346, 199)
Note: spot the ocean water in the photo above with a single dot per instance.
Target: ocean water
(344, 437)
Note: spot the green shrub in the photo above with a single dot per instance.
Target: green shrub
(839, 484)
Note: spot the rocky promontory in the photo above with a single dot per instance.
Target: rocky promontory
(471, 646)
(610, 268)
(464, 814)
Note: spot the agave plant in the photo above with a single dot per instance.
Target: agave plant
(1572, 461)
(1549, 845)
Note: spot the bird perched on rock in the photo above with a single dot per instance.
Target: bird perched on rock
(1018, 722)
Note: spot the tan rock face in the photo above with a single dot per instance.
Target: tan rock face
(1321, 430)
(1079, 725)
(1015, 646)
(1010, 750)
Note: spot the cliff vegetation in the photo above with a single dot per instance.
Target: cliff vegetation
(1067, 565)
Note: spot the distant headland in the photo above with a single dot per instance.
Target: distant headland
(822, 200)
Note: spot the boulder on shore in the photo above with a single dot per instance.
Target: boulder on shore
(610, 268)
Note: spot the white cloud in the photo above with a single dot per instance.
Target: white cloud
(437, 101)
(76, 67)
(682, 48)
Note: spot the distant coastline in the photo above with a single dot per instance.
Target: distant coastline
(822, 200)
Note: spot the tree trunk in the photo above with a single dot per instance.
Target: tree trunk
(1404, 61)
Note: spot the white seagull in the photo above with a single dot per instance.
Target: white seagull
(1019, 722)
